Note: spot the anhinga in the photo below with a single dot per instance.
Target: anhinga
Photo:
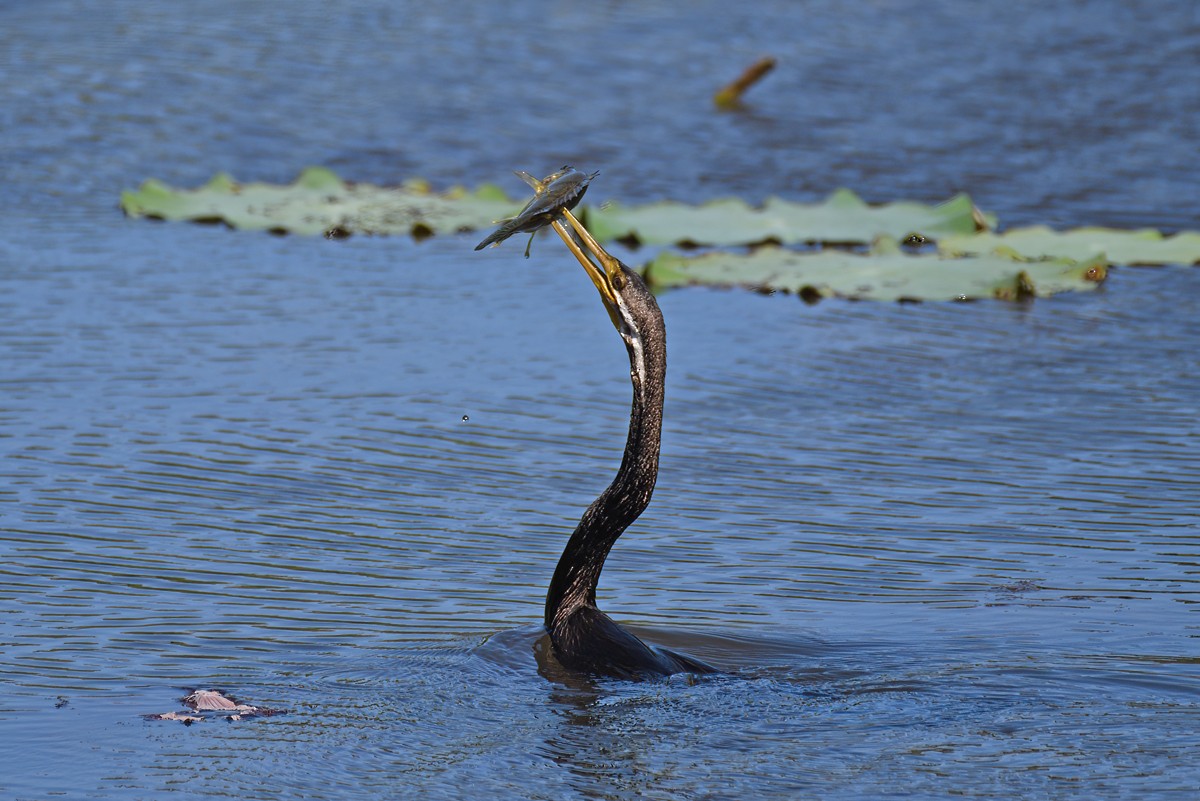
(583, 638)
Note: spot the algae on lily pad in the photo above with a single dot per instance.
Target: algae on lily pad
(842, 218)
(1145, 246)
(320, 202)
(886, 273)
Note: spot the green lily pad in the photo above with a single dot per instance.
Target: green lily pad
(842, 218)
(886, 273)
(319, 202)
(1145, 246)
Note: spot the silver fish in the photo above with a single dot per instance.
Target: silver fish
(555, 193)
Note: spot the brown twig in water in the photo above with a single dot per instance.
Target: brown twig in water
(732, 94)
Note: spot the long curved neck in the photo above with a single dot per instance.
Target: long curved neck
(578, 571)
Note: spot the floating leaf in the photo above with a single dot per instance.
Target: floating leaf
(886, 273)
(319, 202)
(842, 218)
(1145, 246)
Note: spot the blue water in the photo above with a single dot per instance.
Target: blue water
(941, 550)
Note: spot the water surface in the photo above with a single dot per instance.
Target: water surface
(941, 549)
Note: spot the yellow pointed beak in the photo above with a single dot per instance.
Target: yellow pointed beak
(581, 243)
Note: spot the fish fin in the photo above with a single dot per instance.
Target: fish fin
(535, 183)
(499, 235)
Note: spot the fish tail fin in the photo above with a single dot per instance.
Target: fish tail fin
(499, 235)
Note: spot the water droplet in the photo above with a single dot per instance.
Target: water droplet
(465, 418)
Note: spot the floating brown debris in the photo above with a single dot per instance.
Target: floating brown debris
(731, 95)
(215, 701)
(209, 701)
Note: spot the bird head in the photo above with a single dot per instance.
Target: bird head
(625, 296)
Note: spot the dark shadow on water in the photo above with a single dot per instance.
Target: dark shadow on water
(800, 659)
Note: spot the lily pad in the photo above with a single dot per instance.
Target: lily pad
(886, 273)
(319, 202)
(842, 218)
(1144, 246)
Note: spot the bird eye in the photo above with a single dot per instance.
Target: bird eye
(618, 281)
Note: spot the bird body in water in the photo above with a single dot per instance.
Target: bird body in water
(554, 193)
(583, 638)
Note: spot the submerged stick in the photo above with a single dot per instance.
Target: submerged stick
(731, 95)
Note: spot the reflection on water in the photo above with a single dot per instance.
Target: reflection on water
(942, 548)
